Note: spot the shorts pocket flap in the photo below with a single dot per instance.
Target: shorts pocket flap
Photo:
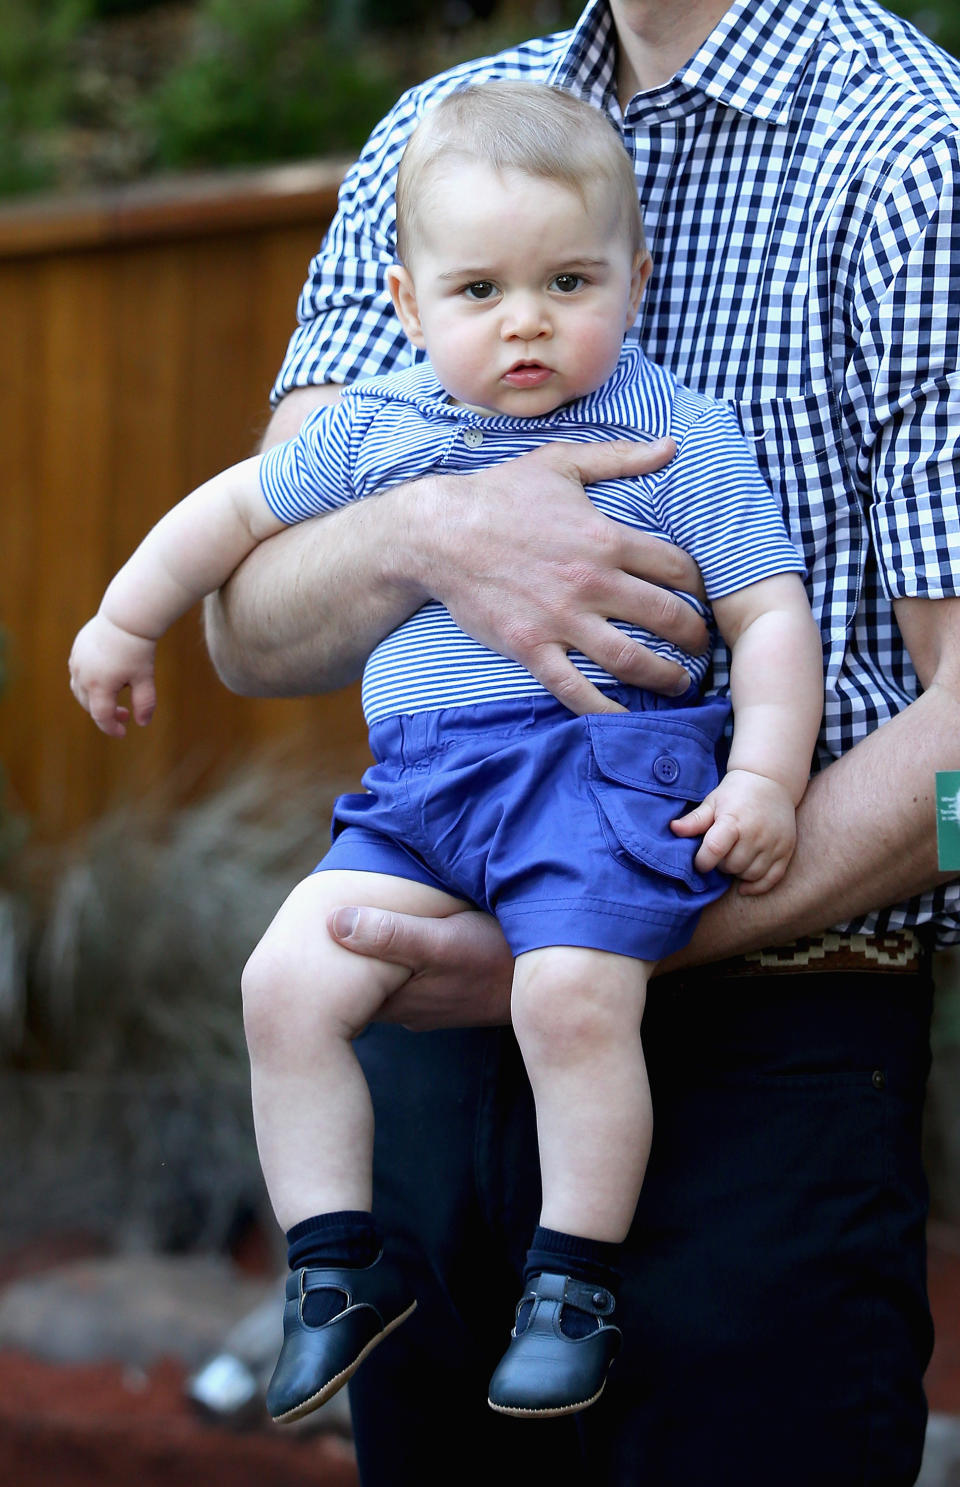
(650, 752)
(648, 771)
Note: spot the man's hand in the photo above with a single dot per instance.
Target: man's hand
(462, 968)
(749, 829)
(527, 565)
(105, 659)
(518, 554)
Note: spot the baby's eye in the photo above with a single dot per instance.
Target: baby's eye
(480, 289)
(567, 283)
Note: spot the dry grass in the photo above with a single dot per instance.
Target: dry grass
(148, 919)
(123, 1073)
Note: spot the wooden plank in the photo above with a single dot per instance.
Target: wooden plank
(176, 207)
(21, 400)
(151, 311)
(75, 423)
(224, 376)
(131, 372)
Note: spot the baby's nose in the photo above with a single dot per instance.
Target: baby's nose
(525, 317)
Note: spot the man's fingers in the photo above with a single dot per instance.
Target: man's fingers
(554, 670)
(659, 563)
(647, 603)
(616, 459)
(461, 966)
(538, 572)
(628, 660)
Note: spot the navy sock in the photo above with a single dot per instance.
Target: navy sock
(594, 1261)
(348, 1238)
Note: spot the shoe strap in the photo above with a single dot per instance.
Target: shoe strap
(299, 1282)
(549, 1286)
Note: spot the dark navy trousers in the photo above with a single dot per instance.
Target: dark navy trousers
(774, 1308)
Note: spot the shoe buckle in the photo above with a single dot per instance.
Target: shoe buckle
(595, 1299)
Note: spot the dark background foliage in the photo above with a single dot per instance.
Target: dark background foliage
(106, 91)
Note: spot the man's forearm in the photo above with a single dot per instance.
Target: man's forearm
(305, 610)
(866, 839)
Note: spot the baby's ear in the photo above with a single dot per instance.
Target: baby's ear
(640, 273)
(404, 296)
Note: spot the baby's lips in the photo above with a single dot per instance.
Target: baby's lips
(528, 374)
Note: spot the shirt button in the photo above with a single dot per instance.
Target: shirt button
(473, 438)
(666, 769)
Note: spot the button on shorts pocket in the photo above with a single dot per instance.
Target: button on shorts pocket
(647, 769)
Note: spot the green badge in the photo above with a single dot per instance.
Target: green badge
(948, 820)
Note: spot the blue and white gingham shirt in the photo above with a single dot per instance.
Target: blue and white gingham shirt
(710, 499)
(799, 179)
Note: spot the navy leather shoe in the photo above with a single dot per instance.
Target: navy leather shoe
(316, 1361)
(544, 1371)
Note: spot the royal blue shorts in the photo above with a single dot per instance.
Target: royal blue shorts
(557, 824)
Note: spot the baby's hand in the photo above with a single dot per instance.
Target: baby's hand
(103, 661)
(749, 830)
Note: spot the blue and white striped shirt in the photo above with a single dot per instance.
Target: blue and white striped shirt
(799, 178)
(710, 499)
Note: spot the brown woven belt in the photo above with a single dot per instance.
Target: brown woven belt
(900, 952)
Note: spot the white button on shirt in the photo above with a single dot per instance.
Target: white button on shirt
(473, 438)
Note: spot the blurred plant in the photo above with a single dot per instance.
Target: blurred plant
(938, 19)
(124, 1083)
(94, 91)
(14, 915)
(13, 828)
(262, 82)
(147, 923)
(98, 91)
(36, 47)
(124, 7)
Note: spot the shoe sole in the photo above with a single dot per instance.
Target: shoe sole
(338, 1381)
(546, 1414)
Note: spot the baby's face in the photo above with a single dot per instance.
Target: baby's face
(519, 293)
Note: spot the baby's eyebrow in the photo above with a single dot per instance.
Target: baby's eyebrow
(569, 263)
(566, 265)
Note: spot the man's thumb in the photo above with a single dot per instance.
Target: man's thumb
(369, 931)
(620, 458)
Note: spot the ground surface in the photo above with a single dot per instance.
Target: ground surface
(110, 1425)
(101, 1425)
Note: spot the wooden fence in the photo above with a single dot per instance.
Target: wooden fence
(141, 331)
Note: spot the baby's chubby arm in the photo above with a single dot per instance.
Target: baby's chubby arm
(748, 822)
(190, 553)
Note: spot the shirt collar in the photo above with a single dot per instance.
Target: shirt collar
(751, 61)
(420, 386)
(588, 66)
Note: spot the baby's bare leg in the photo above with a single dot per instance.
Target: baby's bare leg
(576, 1014)
(304, 999)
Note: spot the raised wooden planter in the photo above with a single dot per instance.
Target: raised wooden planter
(142, 329)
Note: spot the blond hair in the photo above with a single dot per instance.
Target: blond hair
(536, 128)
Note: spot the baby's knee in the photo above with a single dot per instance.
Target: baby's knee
(270, 994)
(302, 990)
(565, 1004)
(292, 996)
